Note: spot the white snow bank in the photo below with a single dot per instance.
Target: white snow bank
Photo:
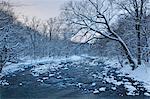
(11, 68)
(131, 89)
(141, 74)
(54, 65)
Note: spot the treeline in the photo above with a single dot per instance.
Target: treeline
(83, 27)
(124, 22)
(35, 38)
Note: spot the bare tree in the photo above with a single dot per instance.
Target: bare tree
(45, 29)
(137, 10)
(7, 19)
(51, 27)
(96, 17)
(3, 55)
(55, 28)
(34, 26)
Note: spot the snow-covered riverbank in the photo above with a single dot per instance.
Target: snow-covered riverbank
(92, 74)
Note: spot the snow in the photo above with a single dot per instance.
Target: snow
(51, 75)
(131, 89)
(112, 62)
(96, 91)
(11, 68)
(53, 65)
(113, 88)
(147, 94)
(45, 65)
(40, 80)
(45, 78)
(79, 85)
(113, 81)
(93, 84)
(4, 83)
(140, 74)
(20, 84)
(1, 75)
(40, 69)
(75, 58)
(102, 89)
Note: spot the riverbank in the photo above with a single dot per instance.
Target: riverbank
(75, 75)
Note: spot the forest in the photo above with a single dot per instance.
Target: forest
(93, 46)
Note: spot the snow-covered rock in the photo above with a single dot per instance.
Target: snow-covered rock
(113, 88)
(113, 81)
(147, 94)
(51, 75)
(96, 91)
(45, 78)
(102, 89)
(131, 89)
(4, 83)
(93, 84)
(20, 84)
(46, 61)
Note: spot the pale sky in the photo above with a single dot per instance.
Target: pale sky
(42, 9)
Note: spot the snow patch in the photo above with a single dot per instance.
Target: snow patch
(113, 88)
(38, 69)
(113, 81)
(51, 75)
(140, 74)
(96, 91)
(102, 89)
(147, 94)
(93, 84)
(20, 84)
(4, 83)
(131, 89)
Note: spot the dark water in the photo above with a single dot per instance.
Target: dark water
(58, 88)
(51, 93)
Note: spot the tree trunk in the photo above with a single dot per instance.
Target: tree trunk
(146, 53)
(138, 18)
(1, 64)
(126, 49)
(128, 53)
(138, 43)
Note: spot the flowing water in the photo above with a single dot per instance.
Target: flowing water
(23, 85)
(48, 93)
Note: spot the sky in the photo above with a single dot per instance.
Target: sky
(43, 9)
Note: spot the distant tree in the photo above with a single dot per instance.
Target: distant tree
(51, 27)
(32, 29)
(7, 19)
(55, 28)
(5, 53)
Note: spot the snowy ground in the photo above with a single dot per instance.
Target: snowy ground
(90, 74)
